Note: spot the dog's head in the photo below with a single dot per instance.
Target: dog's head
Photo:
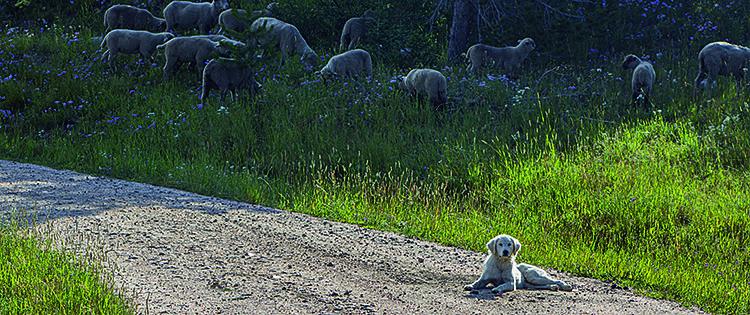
(504, 246)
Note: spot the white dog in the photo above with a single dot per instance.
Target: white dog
(501, 270)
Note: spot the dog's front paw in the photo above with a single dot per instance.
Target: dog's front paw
(566, 287)
(497, 291)
(554, 287)
(469, 287)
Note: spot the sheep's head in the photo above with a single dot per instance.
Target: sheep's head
(166, 37)
(222, 50)
(158, 25)
(326, 74)
(220, 5)
(272, 6)
(527, 44)
(309, 59)
(401, 82)
(630, 62)
(369, 14)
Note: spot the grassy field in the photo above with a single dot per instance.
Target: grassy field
(37, 279)
(655, 199)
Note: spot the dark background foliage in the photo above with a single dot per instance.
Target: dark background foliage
(564, 30)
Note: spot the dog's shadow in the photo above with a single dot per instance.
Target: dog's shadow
(484, 294)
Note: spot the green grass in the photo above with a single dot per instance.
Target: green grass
(656, 200)
(36, 278)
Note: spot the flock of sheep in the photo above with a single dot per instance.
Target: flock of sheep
(132, 30)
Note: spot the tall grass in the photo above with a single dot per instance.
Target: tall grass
(36, 277)
(655, 199)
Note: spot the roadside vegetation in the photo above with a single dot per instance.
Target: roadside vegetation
(39, 278)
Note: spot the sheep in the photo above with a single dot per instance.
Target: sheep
(509, 58)
(426, 82)
(195, 51)
(354, 29)
(235, 19)
(643, 77)
(132, 42)
(190, 15)
(348, 65)
(721, 58)
(287, 38)
(227, 75)
(129, 17)
(221, 38)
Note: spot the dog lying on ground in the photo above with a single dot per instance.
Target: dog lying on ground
(501, 270)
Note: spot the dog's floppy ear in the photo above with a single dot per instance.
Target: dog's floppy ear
(491, 246)
(516, 246)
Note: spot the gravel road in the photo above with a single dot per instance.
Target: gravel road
(184, 253)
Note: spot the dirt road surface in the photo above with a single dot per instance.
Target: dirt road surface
(184, 253)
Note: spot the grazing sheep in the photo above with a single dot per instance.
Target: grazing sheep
(227, 75)
(348, 65)
(501, 270)
(132, 42)
(287, 38)
(721, 58)
(195, 51)
(643, 77)
(125, 16)
(427, 82)
(191, 15)
(221, 38)
(354, 29)
(235, 19)
(509, 58)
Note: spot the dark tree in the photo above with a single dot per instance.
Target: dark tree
(464, 17)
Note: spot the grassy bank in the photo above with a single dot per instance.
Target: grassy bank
(658, 200)
(35, 278)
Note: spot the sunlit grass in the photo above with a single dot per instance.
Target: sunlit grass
(37, 278)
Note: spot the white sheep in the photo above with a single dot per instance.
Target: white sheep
(643, 77)
(509, 58)
(426, 82)
(190, 15)
(238, 20)
(354, 29)
(129, 17)
(132, 42)
(348, 65)
(195, 51)
(287, 38)
(721, 58)
(227, 75)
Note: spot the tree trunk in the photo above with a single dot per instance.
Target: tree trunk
(461, 26)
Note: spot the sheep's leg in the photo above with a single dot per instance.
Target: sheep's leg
(354, 42)
(169, 66)
(205, 93)
(738, 78)
(106, 55)
(111, 59)
(283, 56)
(223, 95)
(344, 42)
